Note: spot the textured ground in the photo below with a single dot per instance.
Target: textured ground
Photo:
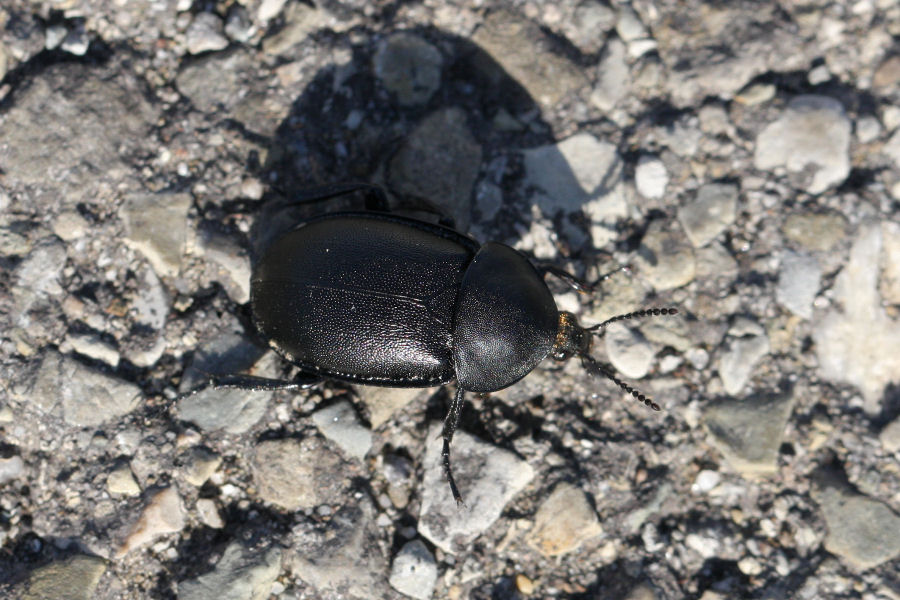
(742, 158)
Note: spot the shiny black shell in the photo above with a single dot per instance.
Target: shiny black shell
(378, 299)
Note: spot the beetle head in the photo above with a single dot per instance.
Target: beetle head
(573, 339)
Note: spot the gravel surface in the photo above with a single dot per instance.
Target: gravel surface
(741, 158)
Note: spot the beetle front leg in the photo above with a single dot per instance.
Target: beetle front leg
(375, 197)
(579, 285)
(450, 423)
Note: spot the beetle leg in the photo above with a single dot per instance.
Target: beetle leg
(573, 282)
(375, 197)
(259, 384)
(450, 423)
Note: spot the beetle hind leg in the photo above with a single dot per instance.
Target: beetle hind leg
(450, 423)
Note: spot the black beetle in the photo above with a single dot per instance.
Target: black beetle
(377, 299)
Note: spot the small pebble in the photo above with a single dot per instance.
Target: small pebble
(163, 514)
(205, 34)
(414, 571)
(11, 468)
(651, 177)
(340, 424)
(706, 480)
(813, 134)
(121, 481)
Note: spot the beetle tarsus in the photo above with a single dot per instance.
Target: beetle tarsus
(450, 423)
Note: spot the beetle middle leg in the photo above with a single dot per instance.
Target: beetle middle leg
(450, 423)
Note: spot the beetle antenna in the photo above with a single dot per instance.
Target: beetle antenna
(647, 312)
(594, 367)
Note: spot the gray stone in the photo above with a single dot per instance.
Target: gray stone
(298, 474)
(204, 34)
(4, 60)
(200, 464)
(13, 243)
(163, 514)
(76, 41)
(92, 347)
(209, 513)
(414, 571)
(121, 481)
(749, 432)
(861, 530)
(613, 77)
(238, 24)
(54, 36)
(409, 67)
(150, 302)
(714, 261)
(383, 402)
(300, 20)
(892, 148)
(69, 226)
(231, 410)
(38, 276)
(11, 469)
(75, 578)
(890, 436)
(887, 76)
(756, 93)
(241, 574)
(889, 285)
(563, 522)
(868, 128)
(856, 341)
(651, 177)
(628, 350)
(665, 257)
(340, 424)
(811, 138)
(815, 231)
(592, 19)
(579, 174)
(714, 120)
(269, 9)
(711, 212)
(149, 308)
(719, 54)
(525, 52)
(798, 283)
(439, 161)
(157, 226)
(73, 127)
(217, 82)
(233, 264)
(65, 388)
(342, 557)
(573, 172)
(487, 477)
(746, 344)
(629, 25)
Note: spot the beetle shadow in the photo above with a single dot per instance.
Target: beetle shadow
(460, 154)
